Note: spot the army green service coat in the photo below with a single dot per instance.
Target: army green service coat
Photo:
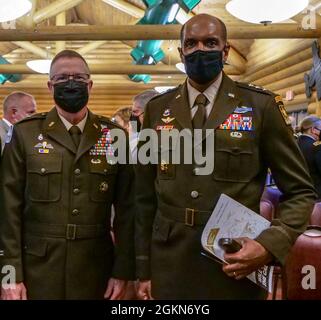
(55, 210)
(168, 244)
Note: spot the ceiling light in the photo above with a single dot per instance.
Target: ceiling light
(40, 66)
(163, 89)
(173, 12)
(13, 9)
(181, 67)
(265, 11)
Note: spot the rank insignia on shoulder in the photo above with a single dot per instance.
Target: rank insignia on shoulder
(317, 143)
(243, 109)
(256, 87)
(278, 99)
(284, 114)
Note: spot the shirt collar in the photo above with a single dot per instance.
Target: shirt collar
(7, 122)
(210, 93)
(307, 135)
(68, 125)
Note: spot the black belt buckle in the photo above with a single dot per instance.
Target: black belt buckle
(71, 232)
(189, 217)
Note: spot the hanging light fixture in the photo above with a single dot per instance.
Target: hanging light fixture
(40, 66)
(181, 67)
(162, 89)
(265, 11)
(13, 9)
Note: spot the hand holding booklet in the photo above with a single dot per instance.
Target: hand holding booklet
(230, 219)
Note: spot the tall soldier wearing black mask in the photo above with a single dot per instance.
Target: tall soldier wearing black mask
(57, 189)
(174, 201)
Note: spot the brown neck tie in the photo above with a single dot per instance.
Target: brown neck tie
(200, 115)
(75, 133)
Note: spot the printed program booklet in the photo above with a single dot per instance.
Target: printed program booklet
(230, 219)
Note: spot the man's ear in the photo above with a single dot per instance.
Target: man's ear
(49, 85)
(226, 51)
(181, 54)
(90, 85)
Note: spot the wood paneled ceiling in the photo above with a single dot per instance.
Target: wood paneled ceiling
(278, 64)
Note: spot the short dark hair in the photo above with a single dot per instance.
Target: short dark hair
(222, 24)
(68, 54)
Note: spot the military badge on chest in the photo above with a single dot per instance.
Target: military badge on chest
(240, 120)
(167, 121)
(43, 146)
(104, 145)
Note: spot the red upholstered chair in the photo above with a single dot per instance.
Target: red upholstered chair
(268, 209)
(315, 219)
(305, 252)
(272, 195)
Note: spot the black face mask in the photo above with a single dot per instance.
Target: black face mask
(71, 96)
(136, 120)
(204, 66)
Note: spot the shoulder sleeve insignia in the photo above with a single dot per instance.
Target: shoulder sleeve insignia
(284, 114)
(278, 99)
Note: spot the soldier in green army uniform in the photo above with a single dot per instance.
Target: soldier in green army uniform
(57, 189)
(174, 202)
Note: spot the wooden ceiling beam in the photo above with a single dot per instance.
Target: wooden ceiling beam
(30, 47)
(138, 13)
(288, 82)
(93, 46)
(53, 9)
(148, 32)
(113, 69)
(235, 58)
(290, 57)
(60, 21)
(303, 66)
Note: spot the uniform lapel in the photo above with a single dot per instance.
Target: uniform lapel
(180, 107)
(226, 102)
(90, 136)
(56, 130)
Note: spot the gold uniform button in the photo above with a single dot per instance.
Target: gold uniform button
(76, 191)
(77, 171)
(194, 194)
(75, 212)
(43, 170)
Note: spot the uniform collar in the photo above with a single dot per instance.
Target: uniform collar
(307, 135)
(68, 125)
(210, 93)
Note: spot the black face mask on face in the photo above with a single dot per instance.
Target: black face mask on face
(71, 96)
(204, 66)
(137, 124)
